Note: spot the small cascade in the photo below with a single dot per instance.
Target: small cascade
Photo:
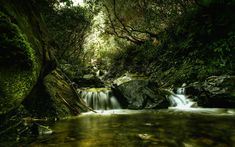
(180, 100)
(100, 98)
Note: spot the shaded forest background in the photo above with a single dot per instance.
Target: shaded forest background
(172, 42)
(49, 48)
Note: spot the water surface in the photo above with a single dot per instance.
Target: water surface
(132, 128)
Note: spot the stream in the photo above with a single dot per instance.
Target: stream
(192, 127)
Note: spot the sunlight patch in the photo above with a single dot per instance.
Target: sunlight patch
(78, 2)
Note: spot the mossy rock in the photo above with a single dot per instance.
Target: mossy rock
(65, 101)
(18, 65)
(15, 50)
(53, 97)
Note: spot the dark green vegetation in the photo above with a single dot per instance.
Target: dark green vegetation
(200, 44)
(26, 60)
(50, 48)
(67, 27)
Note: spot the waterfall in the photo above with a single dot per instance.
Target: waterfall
(180, 100)
(100, 98)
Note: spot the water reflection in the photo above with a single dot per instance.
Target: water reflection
(171, 128)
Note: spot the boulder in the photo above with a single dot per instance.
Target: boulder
(54, 97)
(23, 51)
(215, 91)
(128, 77)
(140, 94)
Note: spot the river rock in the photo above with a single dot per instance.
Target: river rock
(140, 94)
(55, 97)
(215, 91)
(128, 77)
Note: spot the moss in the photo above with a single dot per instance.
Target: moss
(19, 68)
(53, 97)
(15, 50)
(64, 99)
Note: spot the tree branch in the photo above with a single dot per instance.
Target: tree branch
(114, 28)
(137, 41)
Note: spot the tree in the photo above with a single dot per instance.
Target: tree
(141, 20)
(67, 27)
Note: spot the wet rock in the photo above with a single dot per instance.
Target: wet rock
(215, 91)
(128, 77)
(199, 142)
(54, 97)
(148, 137)
(38, 129)
(220, 90)
(140, 94)
(44, 130)
(12, 127)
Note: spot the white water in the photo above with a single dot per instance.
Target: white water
(180, 100)
(100, 99)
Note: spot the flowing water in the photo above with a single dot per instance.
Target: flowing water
(173, 127)
(194, 127)
(103, 99)
(180, 100)
(100, 98)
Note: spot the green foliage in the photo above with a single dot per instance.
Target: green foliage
(46, 6)
(198, 45)
(132, 21)
(224, 49)
(67, 27)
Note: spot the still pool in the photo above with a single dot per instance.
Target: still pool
(132, 128)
